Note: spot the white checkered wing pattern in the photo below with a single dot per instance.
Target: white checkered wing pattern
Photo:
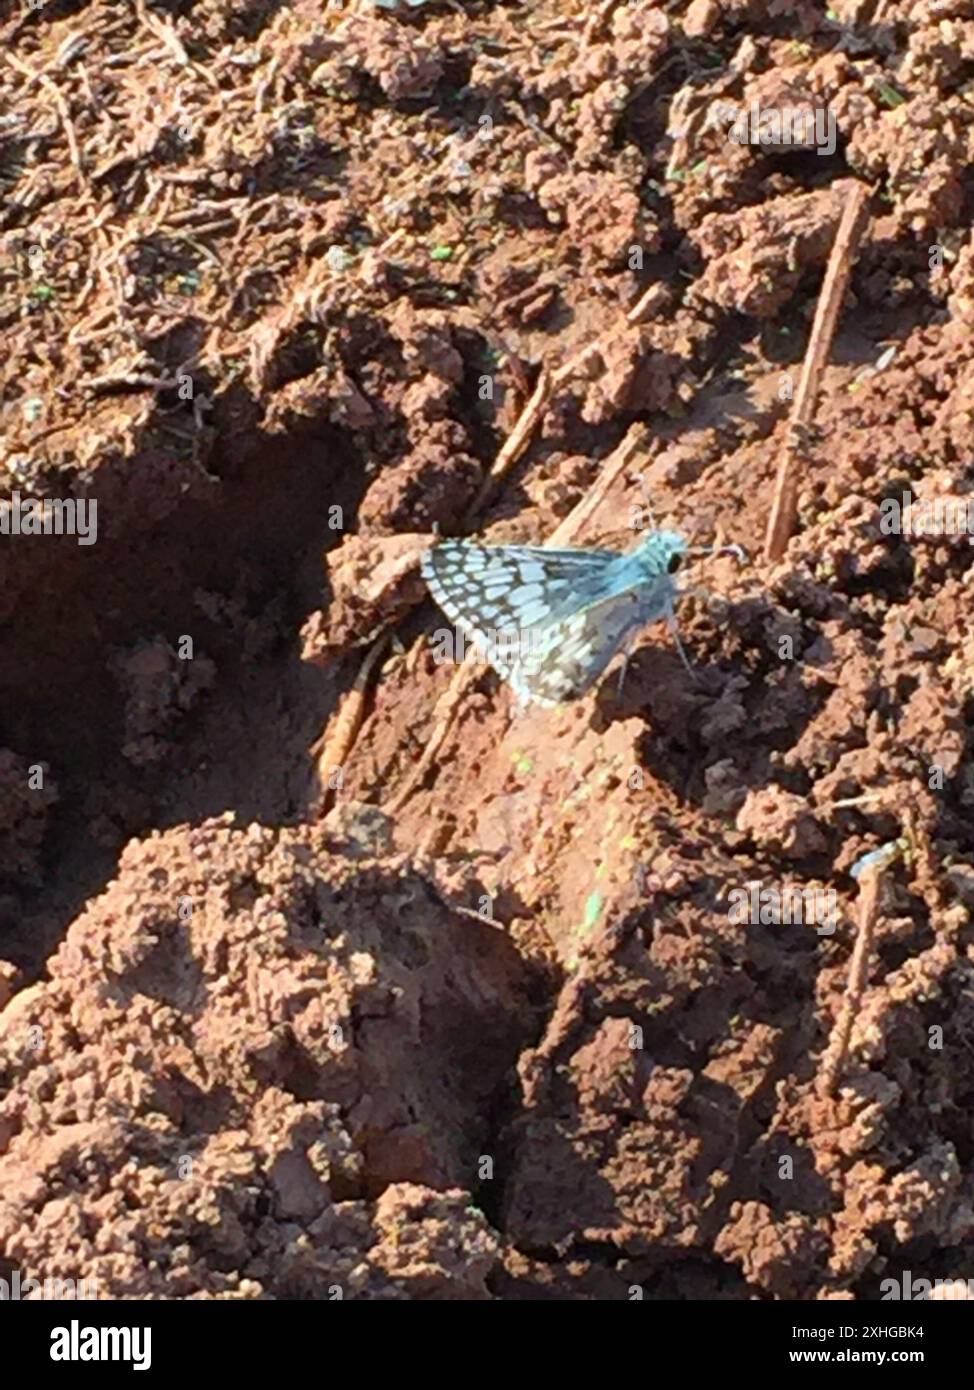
(570, 610)
(566, 658)
(514, 586)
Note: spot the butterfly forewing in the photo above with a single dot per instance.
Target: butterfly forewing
(515, 586)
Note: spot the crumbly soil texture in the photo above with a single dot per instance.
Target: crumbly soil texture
(277, 281)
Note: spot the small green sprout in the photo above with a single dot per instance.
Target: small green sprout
(890, 95)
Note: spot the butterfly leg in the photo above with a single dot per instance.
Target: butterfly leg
(627, 645)
(674, 628)
(627, 652)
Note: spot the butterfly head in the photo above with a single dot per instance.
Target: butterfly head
(665, 552)
(662, 552)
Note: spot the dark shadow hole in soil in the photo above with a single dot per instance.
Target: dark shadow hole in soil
(668, 1274)
(966, 176)
(203, 1112)
(807, 170)
(521, 212)
(504, 1104)
(480, 8)
(807, 1191)
(954, 1121)
(892, 582)
(442, 105)
(782, 963)
(479, 416)
(237, 573)
(243, 894)
(644, 125)
(450, 92)
(918, 938)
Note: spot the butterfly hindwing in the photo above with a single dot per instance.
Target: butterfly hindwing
(574, 651)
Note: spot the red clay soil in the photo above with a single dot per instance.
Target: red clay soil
(276, 281)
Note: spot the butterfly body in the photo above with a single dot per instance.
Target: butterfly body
(563, 614)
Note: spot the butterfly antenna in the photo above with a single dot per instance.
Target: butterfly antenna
(647, 500)
(737, 551)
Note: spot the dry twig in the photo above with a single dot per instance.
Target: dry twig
(332, 749)
(870, 883)
(785, 504)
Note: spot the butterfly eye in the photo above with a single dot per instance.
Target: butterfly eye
(674, 563)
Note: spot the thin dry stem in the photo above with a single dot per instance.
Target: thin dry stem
(784, 506)
(332, 749)
(834, 1057)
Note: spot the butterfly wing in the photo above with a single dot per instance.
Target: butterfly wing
(514, 587)
(569, 611)
(565, 658)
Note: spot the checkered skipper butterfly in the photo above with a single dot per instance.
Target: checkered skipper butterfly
(550, 621)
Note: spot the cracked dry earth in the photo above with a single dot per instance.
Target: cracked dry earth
(482, 1028)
